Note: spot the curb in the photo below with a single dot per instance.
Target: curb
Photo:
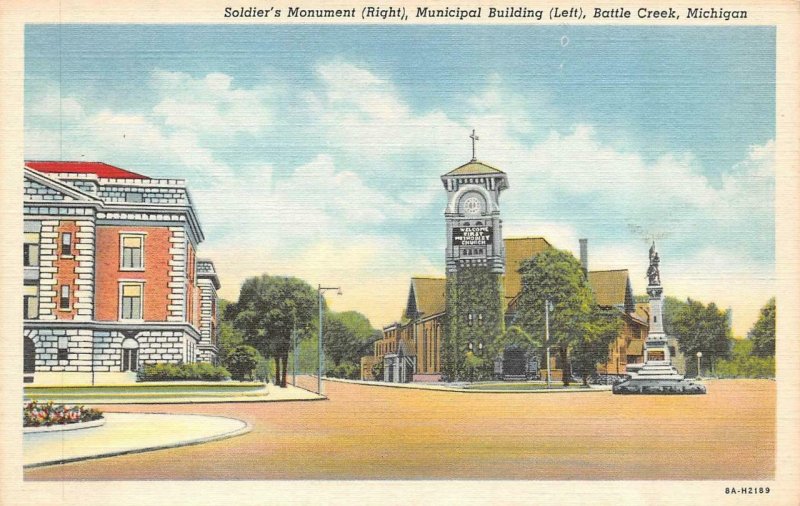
(436, 388)
(117, 402)
(226, 435)
(64, 427)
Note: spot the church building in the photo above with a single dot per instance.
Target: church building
(464, 311)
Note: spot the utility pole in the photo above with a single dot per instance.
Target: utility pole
(321, 368)
(547, 306)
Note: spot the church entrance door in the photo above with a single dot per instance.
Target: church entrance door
(514, 363)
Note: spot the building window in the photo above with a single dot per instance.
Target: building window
(66, 244)
(131, 303)
(130, 355)
(132, 252)
(63, 348)
(63, 299)
(30, 254)
(30, 301)
(29, 357)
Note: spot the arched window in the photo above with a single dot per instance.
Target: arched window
(130, 354)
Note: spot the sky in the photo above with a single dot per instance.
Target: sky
(316, 151)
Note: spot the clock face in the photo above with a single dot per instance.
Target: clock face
(473, 205)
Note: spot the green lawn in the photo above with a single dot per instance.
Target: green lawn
(520, 386)
(143, 390)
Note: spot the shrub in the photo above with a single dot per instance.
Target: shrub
(344, 370)
(241, 361)
(45, 415)
(744, 364)
(200, 371)
(377, 370)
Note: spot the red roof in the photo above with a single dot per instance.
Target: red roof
(99, 168)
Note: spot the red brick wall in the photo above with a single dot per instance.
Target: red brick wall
(155, 274)
(65, 271)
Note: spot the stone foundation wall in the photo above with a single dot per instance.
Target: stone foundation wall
(155, 346)
(207, 355)
(162, 347)
(79, 349)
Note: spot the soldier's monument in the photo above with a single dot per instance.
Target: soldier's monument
(657, 375)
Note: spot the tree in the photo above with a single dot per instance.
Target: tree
(593, 346)
(241, 361)
(745, 364)
(348, 336)
(704, 329)
(229, 336)
(763, 332)
(339, 341)
(269, 307)
(555, 276)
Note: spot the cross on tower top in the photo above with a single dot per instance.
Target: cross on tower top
(474, 138)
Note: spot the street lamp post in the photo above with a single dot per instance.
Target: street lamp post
(320, 290)
(699, 354)
(548, 306)
(294, 358)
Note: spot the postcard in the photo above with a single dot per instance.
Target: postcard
(425, 253)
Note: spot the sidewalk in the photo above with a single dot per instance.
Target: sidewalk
(460, 387)
(127, 433)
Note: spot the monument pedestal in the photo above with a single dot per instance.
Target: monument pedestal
(658, 379)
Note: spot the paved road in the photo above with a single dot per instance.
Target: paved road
(382, 433)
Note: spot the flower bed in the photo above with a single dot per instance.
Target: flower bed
(35, 414)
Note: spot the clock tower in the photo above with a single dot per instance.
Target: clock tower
(475, 263)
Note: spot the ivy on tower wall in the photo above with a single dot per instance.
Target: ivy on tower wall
(478, 292)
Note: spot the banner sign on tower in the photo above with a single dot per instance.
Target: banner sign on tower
(472, 236)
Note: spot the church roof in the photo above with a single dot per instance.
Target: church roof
(519, 249)
(635, 347)
(426, 296)
(611, 288)
(99, 168)
(642, 311)
(474, 168)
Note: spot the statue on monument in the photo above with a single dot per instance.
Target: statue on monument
(652, 272)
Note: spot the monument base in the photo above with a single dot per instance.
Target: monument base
(658, 378)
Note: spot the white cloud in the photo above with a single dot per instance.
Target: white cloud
(210, 105)
(364, 114)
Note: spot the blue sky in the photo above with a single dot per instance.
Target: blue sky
(316, 151)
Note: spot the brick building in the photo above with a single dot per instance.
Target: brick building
(111, 274)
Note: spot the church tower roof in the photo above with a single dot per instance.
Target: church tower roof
(474, 168)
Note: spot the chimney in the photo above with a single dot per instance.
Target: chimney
(584, 256)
